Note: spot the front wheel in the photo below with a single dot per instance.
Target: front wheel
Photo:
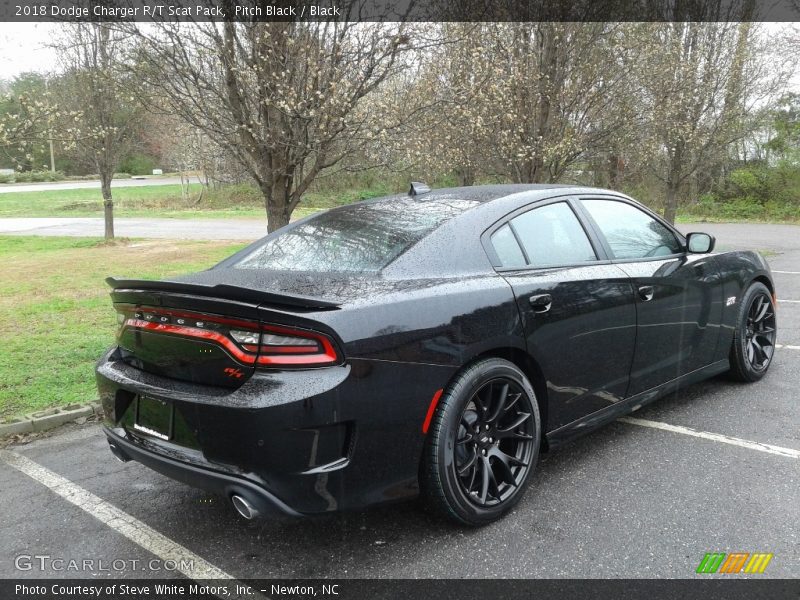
(754, 339)
(483, 443)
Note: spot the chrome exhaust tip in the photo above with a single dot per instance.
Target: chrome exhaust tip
(243, 507)
(118, 453)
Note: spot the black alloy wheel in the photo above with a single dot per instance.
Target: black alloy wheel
(494, 443)
(754, 339)
(760, 336)
(483, 443)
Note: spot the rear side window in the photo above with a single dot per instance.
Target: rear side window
(550, 236)
(360, 238)
(631, 232)
(507, 248)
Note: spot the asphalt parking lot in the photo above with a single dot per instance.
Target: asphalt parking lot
(626, 501)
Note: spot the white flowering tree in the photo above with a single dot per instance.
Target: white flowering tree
(26, 120)
(523, 101)
(288, 100)
(100, 114)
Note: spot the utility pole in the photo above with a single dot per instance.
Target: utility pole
(52, 157)
(50, 138)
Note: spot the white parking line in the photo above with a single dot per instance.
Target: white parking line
(187, 562)
(788, 272)
(789, 301)
(787, 347)
(714, 437)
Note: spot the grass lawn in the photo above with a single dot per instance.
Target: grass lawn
(56, 316)
(240, 201)
(144, 201)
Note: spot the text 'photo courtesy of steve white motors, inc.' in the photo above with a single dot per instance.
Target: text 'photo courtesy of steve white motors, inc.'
(162, 590)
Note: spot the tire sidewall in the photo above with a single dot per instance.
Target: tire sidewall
(740, 337)
(451, 407)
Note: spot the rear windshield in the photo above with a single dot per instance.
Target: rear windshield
(359, 238)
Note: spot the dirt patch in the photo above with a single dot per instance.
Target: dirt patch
(82, 206)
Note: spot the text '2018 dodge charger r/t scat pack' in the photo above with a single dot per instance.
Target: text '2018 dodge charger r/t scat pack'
(426, 344)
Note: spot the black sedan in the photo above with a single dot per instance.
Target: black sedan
(427, 344)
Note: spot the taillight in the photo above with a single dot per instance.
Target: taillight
(248, 342)
(287, 346)
(278, 345)
(245, 337)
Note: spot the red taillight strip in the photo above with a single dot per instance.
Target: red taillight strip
(279, 355)
(327, 356)
(204, 334)
(431, 409)
(287, 349)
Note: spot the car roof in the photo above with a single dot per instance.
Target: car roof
(487, 193)
(451, 248)
(477, 194)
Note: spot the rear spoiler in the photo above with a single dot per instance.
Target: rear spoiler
(224, 291)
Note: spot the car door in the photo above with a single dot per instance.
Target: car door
(678, 295)
(578, 310)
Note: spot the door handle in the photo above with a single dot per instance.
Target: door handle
(541, 303)
(646, 293)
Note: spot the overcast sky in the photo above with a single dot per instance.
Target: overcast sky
(23, 47)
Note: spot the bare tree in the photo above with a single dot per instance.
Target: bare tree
(101, 115)
(288, 100)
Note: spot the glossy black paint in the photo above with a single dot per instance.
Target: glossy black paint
(678, 327)
(585, 342)
(598, 340)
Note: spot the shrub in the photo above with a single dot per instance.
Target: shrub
(755, 192)
(138, 164)
(32, 177)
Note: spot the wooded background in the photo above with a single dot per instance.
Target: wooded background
(701, 118)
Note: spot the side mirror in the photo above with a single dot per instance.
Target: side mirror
(700, 243)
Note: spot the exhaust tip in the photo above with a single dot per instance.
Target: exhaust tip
(118, 454)
(243, 507)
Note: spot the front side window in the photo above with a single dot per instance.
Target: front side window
(552, 235)
(631, 232)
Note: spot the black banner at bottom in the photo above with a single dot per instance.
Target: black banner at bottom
(719, 588)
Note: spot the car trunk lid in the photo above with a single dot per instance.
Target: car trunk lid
(217, 334)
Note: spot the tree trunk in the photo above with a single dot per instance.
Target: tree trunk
(465, 176)
(108, 205)
(671, 203)
(277, 217)
(674, 180)
(276, 201)
(615, 168)
(536, 170)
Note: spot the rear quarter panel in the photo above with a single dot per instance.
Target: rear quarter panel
(444, 321)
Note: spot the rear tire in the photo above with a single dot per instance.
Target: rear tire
(483, 443)
(753, 343)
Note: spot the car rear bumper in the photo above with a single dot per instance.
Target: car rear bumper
(303, 441)
(222, 484)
